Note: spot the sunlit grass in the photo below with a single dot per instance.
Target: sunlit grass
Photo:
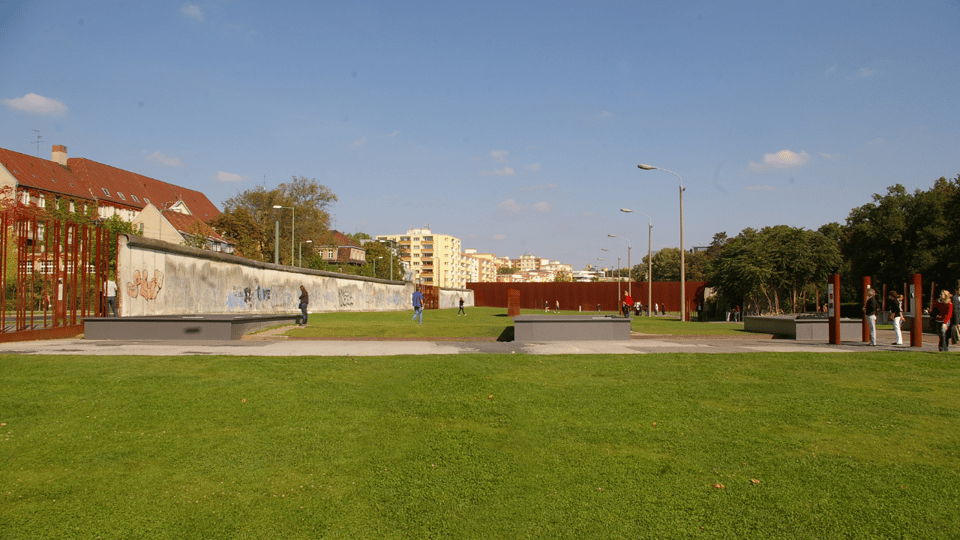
(481, 446)
(479, 323)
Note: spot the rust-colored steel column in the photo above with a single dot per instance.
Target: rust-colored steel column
(864, 324)
(915, 299)
(833, 309)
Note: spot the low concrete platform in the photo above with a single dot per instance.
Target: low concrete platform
(181, 327)
(803, 328)
(527, 328)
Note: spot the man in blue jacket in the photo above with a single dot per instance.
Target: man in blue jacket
(417, 305)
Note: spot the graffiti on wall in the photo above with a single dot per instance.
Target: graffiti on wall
(245, 298)
(144, 287)
(346, 298)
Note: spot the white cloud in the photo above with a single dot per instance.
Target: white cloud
(164, 159)
(392, 135)
(534, 167)
(500, 156)
(510, 206)
(359, 142)
(192, 11)
(498, 237)
(876, 142)
(605, 114)
(760, 188)
(229, 177)
(831, 69)
(866, 72)
(542, 207)
(783, 159)
(828, 156)
(588, 214)
(506, 171)
(36, 103)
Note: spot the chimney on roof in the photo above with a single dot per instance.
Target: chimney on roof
(59, 154)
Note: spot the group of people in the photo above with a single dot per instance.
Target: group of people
(945, 316)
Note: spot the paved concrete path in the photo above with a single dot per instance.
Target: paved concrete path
(274, 344)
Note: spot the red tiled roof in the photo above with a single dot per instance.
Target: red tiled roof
(86, 179)
(43, 174)
(184, 223)
(338, 239)
(118, 181)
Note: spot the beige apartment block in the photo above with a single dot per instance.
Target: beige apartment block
(434, 259)
(481, 267)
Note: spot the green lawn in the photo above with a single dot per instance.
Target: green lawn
(480, 323)
(858, 445)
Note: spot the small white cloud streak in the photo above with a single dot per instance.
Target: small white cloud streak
(499, 237)
(866, 72)
(36, 103)
(229, 177)
(192, 11)
(359, 142)
(506, 171)
(510, 206)
(542, 207)
(783, 159)
(500, 156)
(760, 188)
(163, 159)
(533, 167)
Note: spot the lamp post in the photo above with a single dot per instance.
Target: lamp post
(301, 250)
(629, 267)
(293, 230)
(649, 256)
(683, 273)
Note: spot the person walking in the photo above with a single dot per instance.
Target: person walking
(944, 316)
(110, 291)
(461, 308)
(870, 312)
(627, 304)
(417, 305)
(896, 313)
(558, 306)
(304, 302)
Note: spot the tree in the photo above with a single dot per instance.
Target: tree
(309, 200)
(247, 235)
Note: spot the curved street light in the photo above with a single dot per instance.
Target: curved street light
(629, 267)
(649, 257)
(683, 274)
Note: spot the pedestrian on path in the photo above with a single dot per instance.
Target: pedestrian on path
(870, 312)
(896, 313)
(461, 311)
(304, 302)
(417, 305)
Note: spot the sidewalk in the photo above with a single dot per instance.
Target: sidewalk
(273, 343)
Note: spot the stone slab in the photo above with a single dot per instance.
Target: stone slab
(527, 328)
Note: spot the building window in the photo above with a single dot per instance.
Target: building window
(121, 195)
(146, 200)
(135, 199)
(107, 193)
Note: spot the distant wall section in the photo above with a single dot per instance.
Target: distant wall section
(159, 278)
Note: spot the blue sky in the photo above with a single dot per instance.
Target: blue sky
(516, 126)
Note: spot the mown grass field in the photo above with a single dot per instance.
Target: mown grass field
(858, 445)
(479, 323)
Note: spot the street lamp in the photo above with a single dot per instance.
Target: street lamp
(293, 230)
(375, 266)
(649, 257)
(683, 273)
(301, 250)
(629, 267)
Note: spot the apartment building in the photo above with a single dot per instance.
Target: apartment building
(434, 259)
(480, 267)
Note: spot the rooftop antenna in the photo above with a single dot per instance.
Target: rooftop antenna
(38, 141)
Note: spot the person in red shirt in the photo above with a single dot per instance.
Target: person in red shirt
(944, 314)
(627, 304)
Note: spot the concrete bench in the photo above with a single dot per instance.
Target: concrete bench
(570, 328)
(181, 327)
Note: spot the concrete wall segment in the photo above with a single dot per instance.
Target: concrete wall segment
(159, 278)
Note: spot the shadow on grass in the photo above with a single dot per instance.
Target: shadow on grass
(506, 335)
